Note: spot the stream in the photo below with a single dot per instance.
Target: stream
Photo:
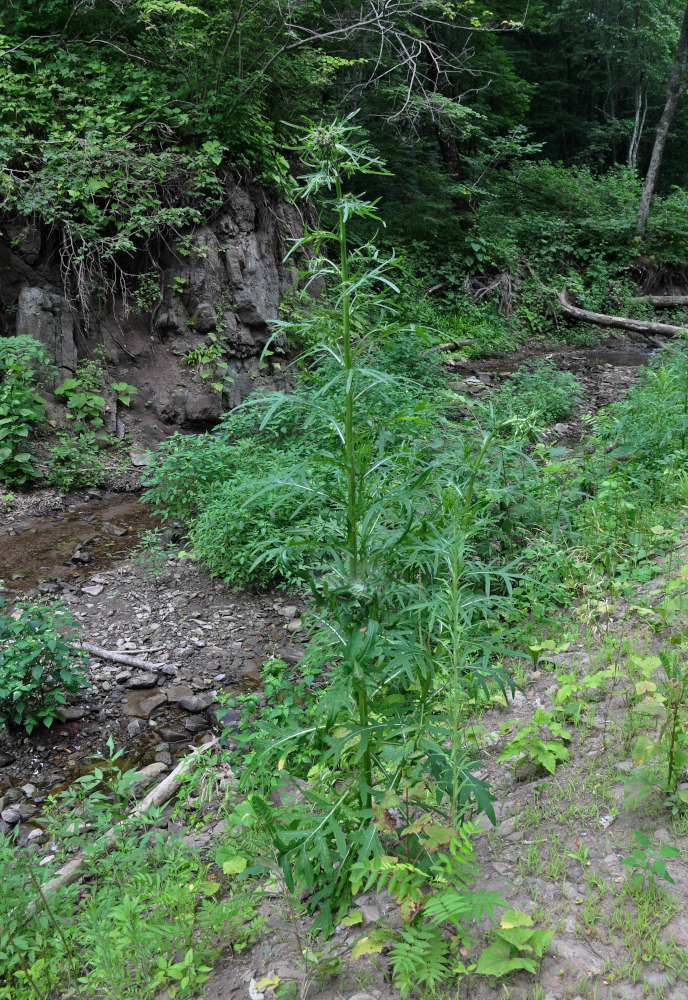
(195, 636)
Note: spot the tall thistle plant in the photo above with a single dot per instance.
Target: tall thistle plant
(382, 739)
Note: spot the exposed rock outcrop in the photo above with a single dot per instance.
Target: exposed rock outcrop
(46, 316)
(225, 279)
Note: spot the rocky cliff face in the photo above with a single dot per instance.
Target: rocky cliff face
(227, 282)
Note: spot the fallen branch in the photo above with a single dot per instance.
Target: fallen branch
(452, 345)
(642, 326)
(663, 301)
(438, 287)
(108, 654)
(163, 791)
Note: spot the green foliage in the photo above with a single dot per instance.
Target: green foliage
(648, 863)
(21, 405)
(84, 394)
(518, 944)
(538, 741)
(388, 590)
(156, 914)
(39, 667)
(75, 458)
(209, 364)
(663, 701)
(540, 390)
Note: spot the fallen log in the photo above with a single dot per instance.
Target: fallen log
(645, 327)
(108, 654)
(662, 301)
(451, 345)
(158, 796)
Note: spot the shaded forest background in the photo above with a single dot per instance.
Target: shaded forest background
(517, 133)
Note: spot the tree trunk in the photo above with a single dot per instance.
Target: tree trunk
(663, 301)
(674, 90)
(645, 327)
(640, 101)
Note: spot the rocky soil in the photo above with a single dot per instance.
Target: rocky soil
(194, 638)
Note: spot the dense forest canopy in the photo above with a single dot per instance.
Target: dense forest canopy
(119, 117)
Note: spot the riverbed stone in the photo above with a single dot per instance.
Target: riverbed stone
(197, 703)
(194, 724)
(142, 705)
(146, 679)
(178, 691)
(147, 775)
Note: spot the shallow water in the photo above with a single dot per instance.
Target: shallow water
(98, 532)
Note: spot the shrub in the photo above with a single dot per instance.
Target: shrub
(21, 405)
(539, 388)
(75, 459)
(38, 665)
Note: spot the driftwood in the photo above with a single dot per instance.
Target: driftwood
(108, 654)
(452, 345)
(663, 301)
(645, 327)
(73, 870)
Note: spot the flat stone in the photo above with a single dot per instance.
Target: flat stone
(507, 827)
(288, 612)
(142, 705)
(173, 735)
(140, 459)
(6, 758)
(292, 654)
(224, 718)
(72, 713)
(178, 691)
(11, 815)
(143, 680)
(294, 625)
(94, 589)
